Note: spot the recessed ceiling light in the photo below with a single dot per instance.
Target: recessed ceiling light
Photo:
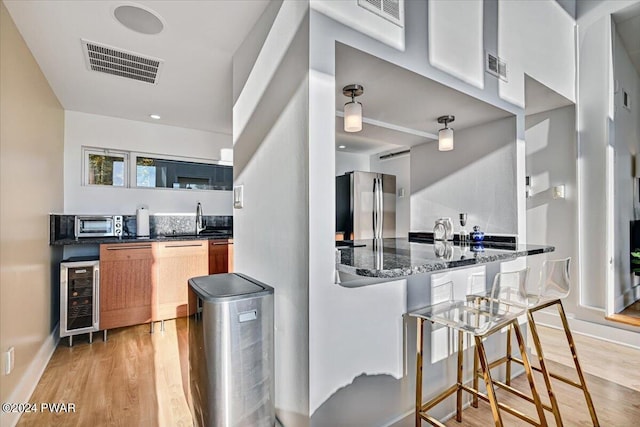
(154, 116)
(342, 146)
(138, 19)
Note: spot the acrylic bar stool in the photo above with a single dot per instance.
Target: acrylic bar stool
(479, 318)
(554, 284)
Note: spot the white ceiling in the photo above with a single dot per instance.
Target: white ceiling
(197, 44)
(628, 27)
(402, 98)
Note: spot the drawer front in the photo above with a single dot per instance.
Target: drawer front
(181, 248)
(126, 251)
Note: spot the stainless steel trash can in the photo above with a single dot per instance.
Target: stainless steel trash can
(231, 365)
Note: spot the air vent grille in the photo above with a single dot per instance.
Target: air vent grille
(391, 10)
(118, 62)
(496, 66)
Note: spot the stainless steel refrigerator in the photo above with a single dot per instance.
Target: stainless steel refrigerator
(366, 205)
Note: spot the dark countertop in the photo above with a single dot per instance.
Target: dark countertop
(400, 257)
(113, 240)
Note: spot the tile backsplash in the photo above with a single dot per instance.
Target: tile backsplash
(62, 226)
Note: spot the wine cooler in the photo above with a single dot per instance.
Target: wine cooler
(79, 298)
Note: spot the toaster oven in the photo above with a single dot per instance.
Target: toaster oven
(98, 226)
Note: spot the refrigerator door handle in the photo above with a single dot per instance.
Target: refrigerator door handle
(377, 208)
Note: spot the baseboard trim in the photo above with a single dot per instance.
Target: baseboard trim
(32, 375)
(593, 330)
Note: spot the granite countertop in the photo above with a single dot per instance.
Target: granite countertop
(400, 257)
(115, 240)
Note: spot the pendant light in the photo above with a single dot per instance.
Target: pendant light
(353, 109)
(445, 135)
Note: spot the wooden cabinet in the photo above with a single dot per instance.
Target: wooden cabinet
(147, 282)
(220, 256)
(177, 262)
(127, 284)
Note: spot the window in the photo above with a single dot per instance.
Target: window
(105, 167)
(171, 173)
(112, 168)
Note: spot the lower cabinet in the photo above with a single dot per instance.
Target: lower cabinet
(127, 284)
(177, 262)
(147, 282)
(220, 256)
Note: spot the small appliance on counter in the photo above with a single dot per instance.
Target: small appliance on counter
(98, 226)
(142, 222)
(79, 297)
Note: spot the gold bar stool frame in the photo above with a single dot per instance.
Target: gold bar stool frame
(554, 284)
(479, 318)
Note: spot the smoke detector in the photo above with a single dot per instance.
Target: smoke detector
(120, 62)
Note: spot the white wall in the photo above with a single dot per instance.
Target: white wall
(478, 177)
(627, 146)
(593, 125)
(362, 20)
(400, 167)
(551, 160)
(31, 186)
(456, 39)
(350, 374)
(271, 231)
(347, 162)
(82, 129)
(536, 38)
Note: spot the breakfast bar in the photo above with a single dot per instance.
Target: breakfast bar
(366, 262)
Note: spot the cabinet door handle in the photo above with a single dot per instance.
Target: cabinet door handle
(198, 245)
(119, 248)
(220, 243)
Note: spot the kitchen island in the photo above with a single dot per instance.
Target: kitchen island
(365, 262)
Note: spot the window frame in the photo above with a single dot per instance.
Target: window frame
(130, 159)
(87, 151)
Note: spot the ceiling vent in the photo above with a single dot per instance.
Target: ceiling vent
(391, 10)
(495, 66)
(119, 62)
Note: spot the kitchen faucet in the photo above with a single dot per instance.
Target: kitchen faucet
(199, 219)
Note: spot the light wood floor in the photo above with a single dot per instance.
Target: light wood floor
(612, 374)
(135, 378)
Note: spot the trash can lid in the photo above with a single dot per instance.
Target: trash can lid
(229, 286)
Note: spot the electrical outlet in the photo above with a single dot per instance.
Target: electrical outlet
(9, 360)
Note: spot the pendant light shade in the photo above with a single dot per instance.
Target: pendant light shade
(353, 109)
(352, 117)
(445, 135)
(445, 139)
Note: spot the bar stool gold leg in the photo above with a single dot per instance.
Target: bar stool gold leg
(460, 379)
(527, 368)
(543, 368)
(491, 393)
(508, 372)
(572, 346)
(474, 401)
(420, 327)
